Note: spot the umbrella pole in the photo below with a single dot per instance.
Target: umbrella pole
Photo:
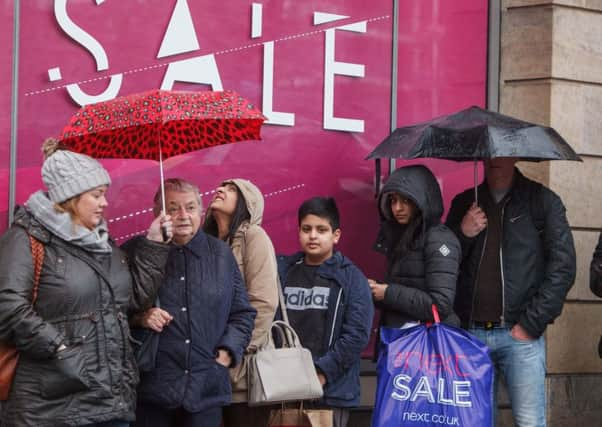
(163, 229)
(377, 172)
(162, 179)
(476, 181)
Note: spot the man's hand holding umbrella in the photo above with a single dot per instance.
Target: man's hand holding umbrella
(160, 229)
(474, 221)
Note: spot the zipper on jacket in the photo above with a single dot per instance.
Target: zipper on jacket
(502, 264)
(106, 346)
(94, 317)
(334, 320)
(121, 318)
(187, 297)
(474, 283)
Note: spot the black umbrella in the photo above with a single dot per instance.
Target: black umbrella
(475, 134)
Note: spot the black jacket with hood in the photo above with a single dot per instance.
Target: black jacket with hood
(537, 255)
(426, 274)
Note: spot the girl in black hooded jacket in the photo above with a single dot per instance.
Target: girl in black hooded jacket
(423, 255)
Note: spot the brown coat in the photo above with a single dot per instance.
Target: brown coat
(256, 259)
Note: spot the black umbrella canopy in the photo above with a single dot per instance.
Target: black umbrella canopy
(473, 134)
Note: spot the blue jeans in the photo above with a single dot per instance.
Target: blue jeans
(523, 366)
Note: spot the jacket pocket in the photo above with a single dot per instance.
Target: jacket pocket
(67, 374)
(217, 381)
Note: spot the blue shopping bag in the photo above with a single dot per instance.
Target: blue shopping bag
(433, 375)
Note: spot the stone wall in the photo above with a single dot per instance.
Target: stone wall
(551, 73)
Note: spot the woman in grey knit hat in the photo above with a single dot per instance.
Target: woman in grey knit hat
(76, 366)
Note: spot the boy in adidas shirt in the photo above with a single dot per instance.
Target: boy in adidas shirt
(329, 304)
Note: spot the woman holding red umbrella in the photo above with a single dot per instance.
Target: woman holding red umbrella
(76, 365)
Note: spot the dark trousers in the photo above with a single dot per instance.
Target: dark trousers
(109, 424)
(148, 415)
(240, 414)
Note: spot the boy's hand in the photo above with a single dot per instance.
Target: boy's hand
(378, 289)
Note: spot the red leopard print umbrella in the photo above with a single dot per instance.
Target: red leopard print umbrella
(156, 124)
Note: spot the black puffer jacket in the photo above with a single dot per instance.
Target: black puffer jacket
(537, 252)
(95, 378)
(427, 273)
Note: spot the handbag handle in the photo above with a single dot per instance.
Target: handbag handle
(281, 335)
(283, 312)
(37, 252)
(282, 302)
(292, 339)
(268, 339)
(287, 335)
(435, 314)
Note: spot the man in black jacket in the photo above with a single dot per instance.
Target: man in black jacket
(518, 265)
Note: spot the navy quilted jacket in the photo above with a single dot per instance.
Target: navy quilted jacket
(206, 296)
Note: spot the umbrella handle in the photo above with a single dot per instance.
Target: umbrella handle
(162, 180)
(377, 173)
(163, 229)
(476, 181)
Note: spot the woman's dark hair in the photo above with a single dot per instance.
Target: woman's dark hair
(240, 215)
(323, 207)
(404, 236)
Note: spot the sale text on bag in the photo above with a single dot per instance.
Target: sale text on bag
(434, 389)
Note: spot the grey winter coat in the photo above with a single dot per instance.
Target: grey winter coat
(95, 378)
(426, 274)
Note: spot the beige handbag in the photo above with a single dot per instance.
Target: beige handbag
(285, 373)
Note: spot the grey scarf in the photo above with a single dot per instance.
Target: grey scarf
(61, 225)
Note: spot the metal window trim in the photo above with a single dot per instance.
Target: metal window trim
(12, 169)
(394, 74)
(493, 55)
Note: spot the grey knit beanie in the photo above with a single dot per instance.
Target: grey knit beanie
(67, 174)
